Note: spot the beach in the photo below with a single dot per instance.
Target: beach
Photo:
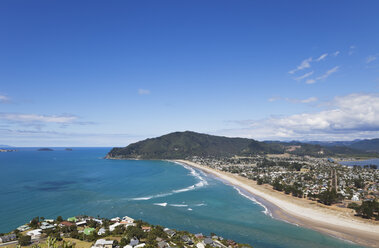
(340, 223)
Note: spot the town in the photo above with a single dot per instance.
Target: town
(89, 232)
(317, 179)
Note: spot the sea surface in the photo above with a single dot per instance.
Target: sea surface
(362, 163)
(68, 183)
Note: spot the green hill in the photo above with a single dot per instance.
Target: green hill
(181, 145)
(369, 145)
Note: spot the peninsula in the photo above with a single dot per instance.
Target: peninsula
(301, 180)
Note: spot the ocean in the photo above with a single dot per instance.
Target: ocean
(68, 183)
(361, 163)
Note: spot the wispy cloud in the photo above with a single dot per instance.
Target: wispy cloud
(309, 100)
(294, 100)
(304, 76)
(60, 119)
(336, 53)
(310, 81)
(303, 65)
(351, 50)
(273, 99)
(143, 92)
(346, 117)
(328, 73)
(371, 58)
(322, 57)
(4, 99)
(323, 76)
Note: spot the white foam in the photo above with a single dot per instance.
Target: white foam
(200, 204)
(163, 204)
(189, 209)
(193, 172)
(141, 198)
(179, 205)
(265, 211)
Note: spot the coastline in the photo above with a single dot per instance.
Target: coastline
(305, 213)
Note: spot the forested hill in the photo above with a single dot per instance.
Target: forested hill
(179, 145)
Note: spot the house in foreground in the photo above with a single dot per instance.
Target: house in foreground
(102, 243)
(8, 238)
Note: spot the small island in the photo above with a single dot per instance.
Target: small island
(68, 149)
(8, 150)
(45, 150)
(86, 231)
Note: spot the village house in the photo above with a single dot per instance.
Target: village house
(7, 238)
(102, 243)
(35, 234)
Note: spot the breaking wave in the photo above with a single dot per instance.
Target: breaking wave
(265, 211)
(202, 182)
(163, 204)
(179, 205)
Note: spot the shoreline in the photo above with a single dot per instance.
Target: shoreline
(305, 213)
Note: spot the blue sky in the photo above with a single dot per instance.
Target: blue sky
(107, 73)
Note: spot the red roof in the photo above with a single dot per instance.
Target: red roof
(66, 223)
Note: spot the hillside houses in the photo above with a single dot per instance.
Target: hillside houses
(127, 233)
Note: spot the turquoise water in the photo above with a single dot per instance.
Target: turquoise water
(81, 182)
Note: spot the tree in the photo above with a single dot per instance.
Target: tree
(328, 197)
(124, 241)
(24, 240)
(277, 185)
(59, 219)
(368, 209)
(259, 181)
(34, 222)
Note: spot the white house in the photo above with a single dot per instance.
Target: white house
(101, 231)
(102, 243)
(34, 234)
(112, 227)
(355, 197)
(127, 219)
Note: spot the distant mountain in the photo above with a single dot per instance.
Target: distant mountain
(4, 146)
(367, 145)
(181, 145)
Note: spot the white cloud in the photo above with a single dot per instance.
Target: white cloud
(323, 76)
(347, 117)
(304, 76)
(143, 92)
(33, 118)
(310, 81)
(308, 100)
(370, 59)
(351, 50)
(336, 53)
(328, 73)
(4, 99)
(322, 57)
(303, 65)
(273, 99)
(293, 100)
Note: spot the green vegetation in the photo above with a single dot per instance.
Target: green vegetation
(181, 145)
(368, 209)
(68, 235)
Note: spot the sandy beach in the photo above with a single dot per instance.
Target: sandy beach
(340, 223)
